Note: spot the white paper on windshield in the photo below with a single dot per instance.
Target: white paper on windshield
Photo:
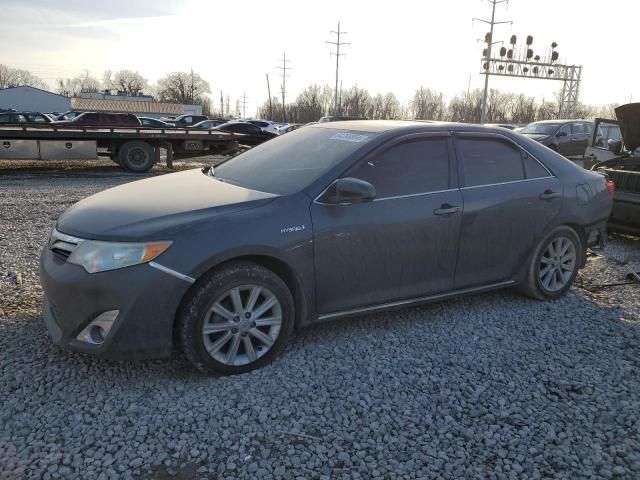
(349, 137)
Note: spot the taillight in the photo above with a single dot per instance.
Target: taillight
(611, 188)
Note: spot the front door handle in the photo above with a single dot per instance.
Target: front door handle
(549, 195)
(446, 209)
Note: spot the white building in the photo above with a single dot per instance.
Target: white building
(31, 99)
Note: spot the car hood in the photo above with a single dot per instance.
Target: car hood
(629, 119)
(161, 205)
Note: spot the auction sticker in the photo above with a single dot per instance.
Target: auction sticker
(349, 137)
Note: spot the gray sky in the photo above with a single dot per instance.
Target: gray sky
(395, 46)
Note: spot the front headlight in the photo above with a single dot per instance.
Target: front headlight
(96, 256)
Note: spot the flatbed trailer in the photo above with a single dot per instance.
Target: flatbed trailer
(135, 149)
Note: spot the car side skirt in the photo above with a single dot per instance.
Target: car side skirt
(415, 301)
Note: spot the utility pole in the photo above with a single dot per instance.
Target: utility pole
(337, 53)
(490, 43)
(284, 75)
(244, 105)
(221, 105)
(270, 105)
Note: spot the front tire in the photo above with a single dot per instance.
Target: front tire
(554, 264)
(238, 319)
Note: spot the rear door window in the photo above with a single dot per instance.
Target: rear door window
(487, 161)
(88, 118)
(566, 129)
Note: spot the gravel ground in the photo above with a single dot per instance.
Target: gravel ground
(488, 386)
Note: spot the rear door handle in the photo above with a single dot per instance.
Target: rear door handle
(549, 195)
(446, 209)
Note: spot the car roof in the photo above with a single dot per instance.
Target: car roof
(398, 126)
(563, 121)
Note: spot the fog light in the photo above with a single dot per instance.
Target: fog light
(97, 331)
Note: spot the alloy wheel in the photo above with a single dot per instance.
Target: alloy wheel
(242, 325)
(557, 264)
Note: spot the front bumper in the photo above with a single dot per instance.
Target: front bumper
(147, 300)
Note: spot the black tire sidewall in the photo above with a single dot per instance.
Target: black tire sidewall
(194, 314)
(124, 153)
(566, 232)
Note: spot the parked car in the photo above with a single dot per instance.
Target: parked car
(567, 137)
(24, 117)
(100, 119)
(290, 127)
(209, 124)
(188, 120)
(614, 149)
(328, 221)
(70, 115)
(339, 118)
(508, 126)
(255, 135)
(154, 123)
(265, 125)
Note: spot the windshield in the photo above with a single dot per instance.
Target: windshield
(289, 163)
(541, 128)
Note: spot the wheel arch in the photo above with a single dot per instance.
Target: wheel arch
(582, 234)
(278, 266)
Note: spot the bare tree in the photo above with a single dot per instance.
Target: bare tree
(427, 105)
(73, 87)
(465, 107)
(125, 81)
(356, 101)
(183, 87)
(15, 77)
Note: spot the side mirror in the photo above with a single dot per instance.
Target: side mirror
(614, 146)
(561, 134)
(348, 190)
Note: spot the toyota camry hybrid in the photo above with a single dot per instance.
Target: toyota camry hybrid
(331, 220)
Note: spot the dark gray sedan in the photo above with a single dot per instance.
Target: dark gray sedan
(329, 221)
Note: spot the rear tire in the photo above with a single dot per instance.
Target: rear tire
(554, 264)
(236, 320)
(136, 156)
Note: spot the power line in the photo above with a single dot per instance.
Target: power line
(283, 69)
(337, 53)
(489, 41)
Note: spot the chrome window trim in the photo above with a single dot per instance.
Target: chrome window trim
(172, 272)
(381, 199)
(395, 197)
(506, 183)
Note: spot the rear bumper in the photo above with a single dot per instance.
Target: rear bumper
(146, 299)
